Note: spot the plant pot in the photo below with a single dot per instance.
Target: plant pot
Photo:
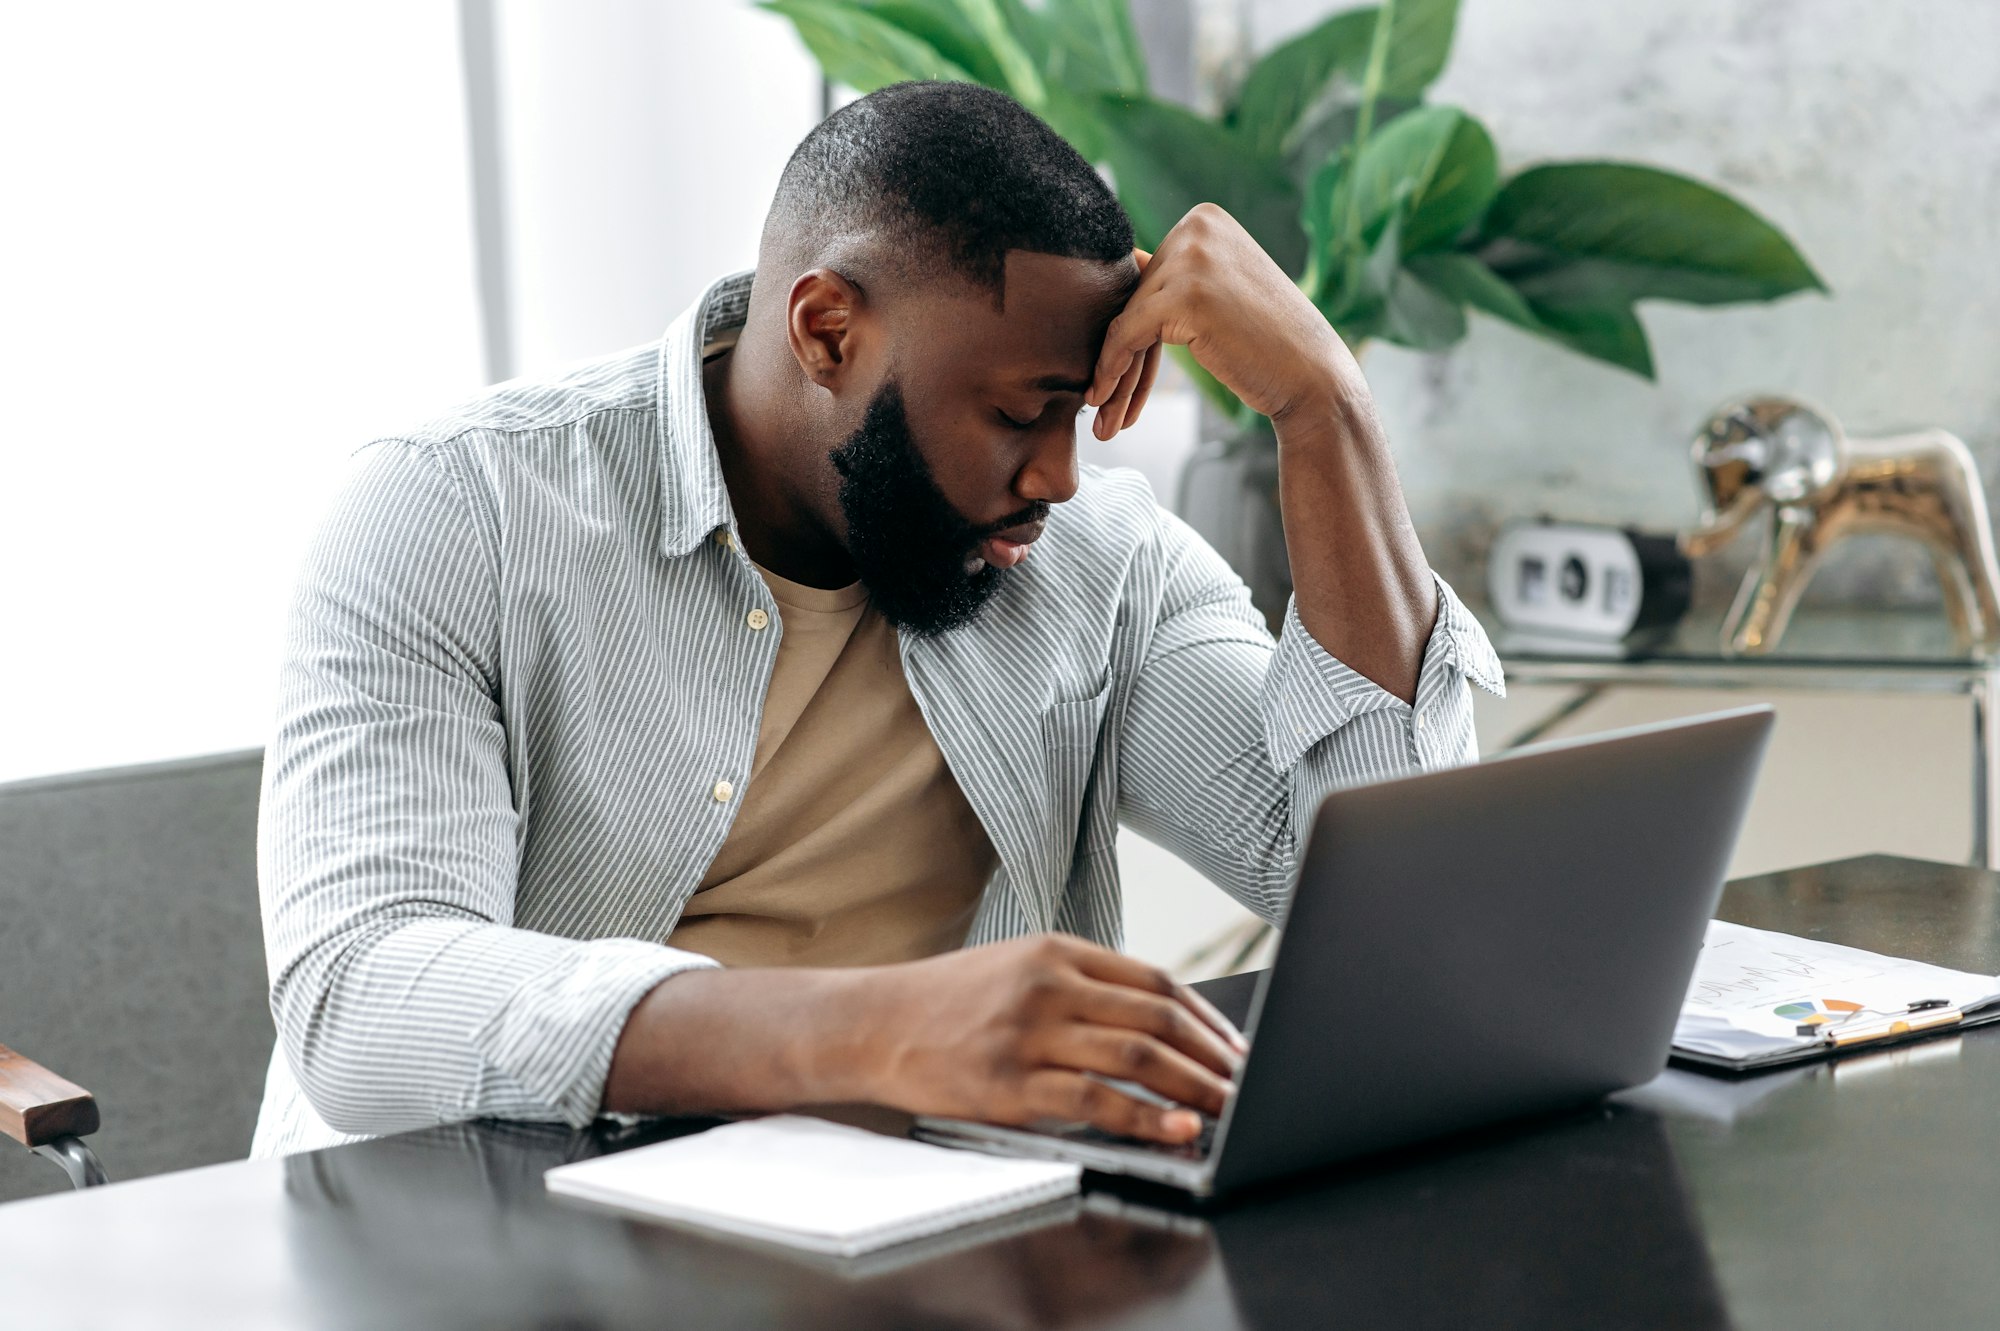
(1229, 494)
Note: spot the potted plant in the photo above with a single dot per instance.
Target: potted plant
(1390, 212)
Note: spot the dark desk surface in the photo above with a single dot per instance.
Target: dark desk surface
(1856, 1194)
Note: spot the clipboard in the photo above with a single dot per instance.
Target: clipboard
(1761, 1000)
(1876, 1034)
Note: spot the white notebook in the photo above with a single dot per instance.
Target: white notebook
(808, 1183)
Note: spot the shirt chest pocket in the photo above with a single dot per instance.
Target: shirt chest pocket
(1082, 798)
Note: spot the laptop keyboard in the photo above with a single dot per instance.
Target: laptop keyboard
(1197, 1149)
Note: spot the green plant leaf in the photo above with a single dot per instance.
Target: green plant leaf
(1325, 272)
(1605, 333)
(1401, 162)
(1407, 35)
(1093, 45)
(1078, 118)
(1609, 332)
(1165, 159)
(941, 24)
(1609, 233)
(1329, 131)
(1413, 313)
(1456, 187)
(1465, 279)
(860, 49)
(1420, 33)
(1416, 315)
(1396, 305)
(1294, 79)
(1429, 173)
(1007, 29)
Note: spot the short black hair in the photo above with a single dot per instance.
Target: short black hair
(951, 176)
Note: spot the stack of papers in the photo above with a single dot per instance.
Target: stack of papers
(1760, 998)
(811, 1184)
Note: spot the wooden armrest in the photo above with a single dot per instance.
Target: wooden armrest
(37, 1106)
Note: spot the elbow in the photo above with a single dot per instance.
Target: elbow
(298, 1009)
(331, 1074)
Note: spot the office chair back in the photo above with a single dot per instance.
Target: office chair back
(132, 959)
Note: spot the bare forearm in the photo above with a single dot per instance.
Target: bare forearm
(1364, 588)
(741, 1041)
(1008, 1032)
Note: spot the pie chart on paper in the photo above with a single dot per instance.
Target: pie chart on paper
(1817, 1011)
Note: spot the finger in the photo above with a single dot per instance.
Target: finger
(1112, 362)
(1145, 390)
(1125, 340)
(1136, 1057)
(1162, 1016)
(1114, 414)
(1212, 1014)
(1102, 963)
(1053, 1093)
(1141, 257)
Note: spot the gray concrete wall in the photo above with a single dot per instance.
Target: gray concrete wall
(1869, 132)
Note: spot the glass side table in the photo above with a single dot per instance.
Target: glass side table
(1859, 651)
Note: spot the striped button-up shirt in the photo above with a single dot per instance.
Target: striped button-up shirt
(520, 698)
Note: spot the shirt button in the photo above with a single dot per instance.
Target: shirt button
(1420, 723)
(757, 619)
(723, 790)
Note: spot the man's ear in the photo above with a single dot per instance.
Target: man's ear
(821, 326)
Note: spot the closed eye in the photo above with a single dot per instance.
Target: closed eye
(1013, 424)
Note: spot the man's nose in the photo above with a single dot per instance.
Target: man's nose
(1049, 474)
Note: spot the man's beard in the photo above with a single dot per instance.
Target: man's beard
(911, 546)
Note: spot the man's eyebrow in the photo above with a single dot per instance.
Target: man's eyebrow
(1060, 383)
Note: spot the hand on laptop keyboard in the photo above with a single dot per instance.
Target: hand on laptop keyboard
(1195, 1149)
(1038, 1029)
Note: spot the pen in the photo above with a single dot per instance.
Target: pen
(1826, 1029)
(1908, 1024)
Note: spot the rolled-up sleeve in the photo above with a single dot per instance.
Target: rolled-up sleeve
(388, 837)
(1230, 742)
(1328, 726)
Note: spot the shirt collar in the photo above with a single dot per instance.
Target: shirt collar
(694, 500)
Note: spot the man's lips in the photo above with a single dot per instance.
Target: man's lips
(1004, 549)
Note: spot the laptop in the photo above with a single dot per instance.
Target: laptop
(1490, 942)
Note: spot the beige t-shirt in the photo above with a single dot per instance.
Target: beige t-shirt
(854, 845)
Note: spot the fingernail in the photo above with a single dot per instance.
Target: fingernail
(1182, 1123)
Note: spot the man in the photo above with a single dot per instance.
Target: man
(744, 722)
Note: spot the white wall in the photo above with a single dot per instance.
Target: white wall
(642, 142)
(235, 245)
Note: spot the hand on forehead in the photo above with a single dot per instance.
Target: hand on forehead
(1043, 337)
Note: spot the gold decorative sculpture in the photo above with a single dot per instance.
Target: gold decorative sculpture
(1818, 484)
